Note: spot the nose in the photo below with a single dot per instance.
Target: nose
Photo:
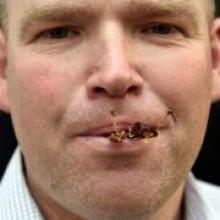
(115, 75)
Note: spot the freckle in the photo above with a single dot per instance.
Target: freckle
(113, 113)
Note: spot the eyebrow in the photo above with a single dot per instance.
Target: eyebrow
(166, 9)
(174, 10)
(163, 8)
(87, 12)
(55, 13)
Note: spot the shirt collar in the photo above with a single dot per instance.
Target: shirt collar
(196, 206)
(16, 201)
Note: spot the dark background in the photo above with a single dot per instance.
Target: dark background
(206, 167)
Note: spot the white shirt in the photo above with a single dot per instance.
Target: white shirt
(202, 200)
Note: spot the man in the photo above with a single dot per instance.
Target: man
(78, 78)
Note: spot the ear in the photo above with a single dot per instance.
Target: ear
(4, 103)
(215, 47)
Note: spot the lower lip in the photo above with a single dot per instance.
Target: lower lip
(127, 146)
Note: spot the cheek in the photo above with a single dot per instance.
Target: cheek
(183, 82)
(40, 91)
(183, 79)
(41, 83)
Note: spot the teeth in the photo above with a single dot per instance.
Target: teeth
(138, 130)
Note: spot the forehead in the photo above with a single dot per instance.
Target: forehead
(101, 5)
(23, 11)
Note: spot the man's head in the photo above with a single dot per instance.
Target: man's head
(66, 65)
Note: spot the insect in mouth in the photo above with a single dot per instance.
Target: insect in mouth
(138, 130)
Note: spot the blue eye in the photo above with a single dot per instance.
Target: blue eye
(160, 29)
(59, 33)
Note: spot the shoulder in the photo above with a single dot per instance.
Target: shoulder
(210, 194)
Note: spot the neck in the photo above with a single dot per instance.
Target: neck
(173, 209)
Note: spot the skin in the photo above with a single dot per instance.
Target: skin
(110, 59)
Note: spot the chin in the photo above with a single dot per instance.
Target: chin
(114, 199)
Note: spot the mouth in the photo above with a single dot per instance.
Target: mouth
(136, 131)
(117, 130)
(133, 131)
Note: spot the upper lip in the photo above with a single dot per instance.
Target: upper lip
(107, 128)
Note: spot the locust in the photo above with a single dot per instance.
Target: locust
(138, 130)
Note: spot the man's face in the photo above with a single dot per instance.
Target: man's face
(70, 63)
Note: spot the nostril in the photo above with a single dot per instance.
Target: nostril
(99, 90)
(133, 89)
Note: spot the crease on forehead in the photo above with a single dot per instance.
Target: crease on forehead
(166, 5)
(53, 8)
(63, 10)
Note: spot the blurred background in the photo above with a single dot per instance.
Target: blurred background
(206, 167)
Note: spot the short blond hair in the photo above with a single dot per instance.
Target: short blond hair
(2, 12)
